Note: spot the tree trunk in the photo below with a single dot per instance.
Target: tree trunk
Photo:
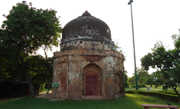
(29, 81)
(30, 84)
(44, 48)
(177, 93)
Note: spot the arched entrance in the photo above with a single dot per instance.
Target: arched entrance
(92, 80)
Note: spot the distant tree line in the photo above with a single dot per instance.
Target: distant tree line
(143, 77)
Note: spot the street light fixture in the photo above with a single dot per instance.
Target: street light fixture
(130, 3)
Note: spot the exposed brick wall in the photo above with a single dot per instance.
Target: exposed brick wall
(72, 65)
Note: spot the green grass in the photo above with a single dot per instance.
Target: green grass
(130, 101)
(153, 89)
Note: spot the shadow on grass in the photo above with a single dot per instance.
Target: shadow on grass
(130, 101)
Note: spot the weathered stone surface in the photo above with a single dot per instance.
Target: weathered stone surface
(63, 81)
(74, 91)
(110, 90)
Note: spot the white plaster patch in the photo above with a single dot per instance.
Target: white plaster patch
(73, 77)
(107, 30)
(110, 63)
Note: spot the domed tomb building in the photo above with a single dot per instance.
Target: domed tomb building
(87, 66)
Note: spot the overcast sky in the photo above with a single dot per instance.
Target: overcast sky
(154, 20)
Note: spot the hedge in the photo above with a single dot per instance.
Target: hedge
(167, 92)
(139, 86)
(165, 96)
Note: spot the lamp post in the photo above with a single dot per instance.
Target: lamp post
(130, 3)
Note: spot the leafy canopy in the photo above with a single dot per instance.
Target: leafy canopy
(166, 62)
(27, 28)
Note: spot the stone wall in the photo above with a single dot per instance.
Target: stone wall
(70, 67)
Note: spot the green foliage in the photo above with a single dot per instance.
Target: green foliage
(143, 76)
(131, 81)
(3, 74)
(167, 64)
(10, 69)
(156, 78)
(25, 30)
(39, 68)
(176, 38)
(125, 79)
(11, 89)
(139, 86)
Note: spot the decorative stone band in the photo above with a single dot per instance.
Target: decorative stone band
(88, 38)
(102, 40)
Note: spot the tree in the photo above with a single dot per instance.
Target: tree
(143, 76)
(36, 66)
(125, 79)
(24, 31)
(40, 69)
(156, 79)
(167, 64)
(131, 81)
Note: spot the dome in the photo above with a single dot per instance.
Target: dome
(86, 27)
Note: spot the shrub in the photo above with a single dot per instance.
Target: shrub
(12, 89)
(39, 88)
(140, 86)
(126, 85)
(167, 92)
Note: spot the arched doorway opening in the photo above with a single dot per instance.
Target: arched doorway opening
(92, 80)
(91, 84)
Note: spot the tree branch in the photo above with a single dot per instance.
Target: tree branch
(176, 92)
(10, 80)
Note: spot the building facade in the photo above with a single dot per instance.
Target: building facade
(87, 65)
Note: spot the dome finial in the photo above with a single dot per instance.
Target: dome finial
(86, 13)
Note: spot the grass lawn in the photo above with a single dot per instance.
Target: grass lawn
(153, 89)
(131, 101)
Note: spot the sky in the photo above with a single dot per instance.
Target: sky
(154, 20)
